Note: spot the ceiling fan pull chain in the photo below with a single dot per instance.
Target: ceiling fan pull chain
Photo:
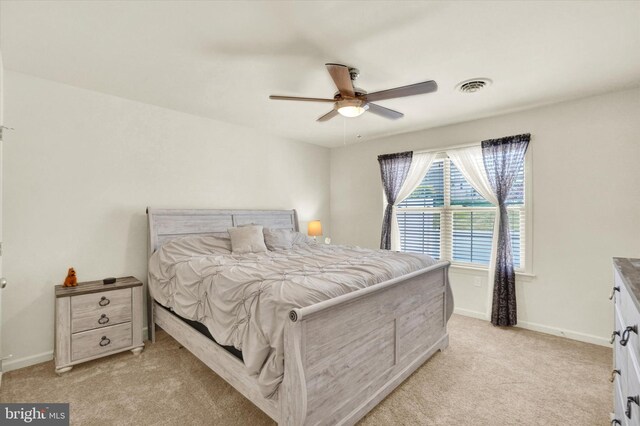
(344, 130)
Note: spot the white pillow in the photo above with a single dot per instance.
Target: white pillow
(247, 239)
(278, 239)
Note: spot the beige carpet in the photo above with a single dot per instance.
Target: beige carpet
(487, 376)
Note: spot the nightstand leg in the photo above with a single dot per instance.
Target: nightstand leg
(61, 370)
(136, 351)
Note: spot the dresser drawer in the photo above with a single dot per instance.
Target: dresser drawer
(624, 301)
(633, 391)
(98, 303)
(629, 327)
(618, 406)
(96, 342)
(104, 318)
(620, 357)
(618, 288)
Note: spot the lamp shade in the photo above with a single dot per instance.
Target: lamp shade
(315, 228)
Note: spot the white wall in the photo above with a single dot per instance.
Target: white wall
(586, 206)
(80, 169)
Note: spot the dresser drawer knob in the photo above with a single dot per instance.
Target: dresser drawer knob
(104, 301)
(613, 336)
(103, 319)
(613, 292)
(104, 341)
(627, 333)
(613, 375)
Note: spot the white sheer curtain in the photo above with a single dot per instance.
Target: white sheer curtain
(420, 163)
(470, 163)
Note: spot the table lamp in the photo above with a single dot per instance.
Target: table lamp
(315, 229)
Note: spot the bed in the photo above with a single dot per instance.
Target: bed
(342, 355)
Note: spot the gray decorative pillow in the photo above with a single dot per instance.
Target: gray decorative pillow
(247, 239)
(278, 239)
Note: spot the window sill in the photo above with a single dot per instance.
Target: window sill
(472, 269)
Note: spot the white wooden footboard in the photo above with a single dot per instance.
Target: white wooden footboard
(344, 355)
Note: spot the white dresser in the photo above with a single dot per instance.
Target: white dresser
(626, 352)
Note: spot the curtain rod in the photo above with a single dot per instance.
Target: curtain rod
(444, 148)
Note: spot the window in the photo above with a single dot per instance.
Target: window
(448, 219)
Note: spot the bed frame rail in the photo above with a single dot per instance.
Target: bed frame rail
(344, 355)
(216, 358)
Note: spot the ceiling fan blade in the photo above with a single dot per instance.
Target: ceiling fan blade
(296, 98)
(400, 92)
(384, 112)
(328, 116)
(342, 79)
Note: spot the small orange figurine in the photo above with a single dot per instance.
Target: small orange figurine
(71, 280)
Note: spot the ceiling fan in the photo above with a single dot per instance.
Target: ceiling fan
(351, 101)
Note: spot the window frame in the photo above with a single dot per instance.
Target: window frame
(446, 219)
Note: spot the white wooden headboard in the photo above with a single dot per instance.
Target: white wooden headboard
(167, 224)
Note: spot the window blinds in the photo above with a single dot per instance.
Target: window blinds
(448, 219)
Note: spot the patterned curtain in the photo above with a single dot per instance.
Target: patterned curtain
(503, 158)
(394, 169)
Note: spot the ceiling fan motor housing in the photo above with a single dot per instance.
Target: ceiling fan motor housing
(351, 103)
(358, 92)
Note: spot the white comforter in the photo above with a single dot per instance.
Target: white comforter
(244, 300)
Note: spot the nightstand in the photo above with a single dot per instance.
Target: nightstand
(95, 320)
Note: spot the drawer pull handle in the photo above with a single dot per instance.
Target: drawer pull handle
(613, 375)
(615, 422)
(104, 341)
(627, 333)
(104, 301)
(613, 336)
(103, 319)
(613, 290)
(631, 399)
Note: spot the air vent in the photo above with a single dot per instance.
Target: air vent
(474, 85)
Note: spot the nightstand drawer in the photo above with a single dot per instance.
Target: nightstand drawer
(99, 303)
(95, 342)
(105, 317)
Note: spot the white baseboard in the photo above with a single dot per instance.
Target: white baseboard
(573, 335)
(25, 361)
(555, 331)
(469, 313)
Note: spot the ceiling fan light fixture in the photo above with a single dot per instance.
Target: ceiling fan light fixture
(351, 107)
(351, 111)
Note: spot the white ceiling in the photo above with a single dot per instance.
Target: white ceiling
(223, 59)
